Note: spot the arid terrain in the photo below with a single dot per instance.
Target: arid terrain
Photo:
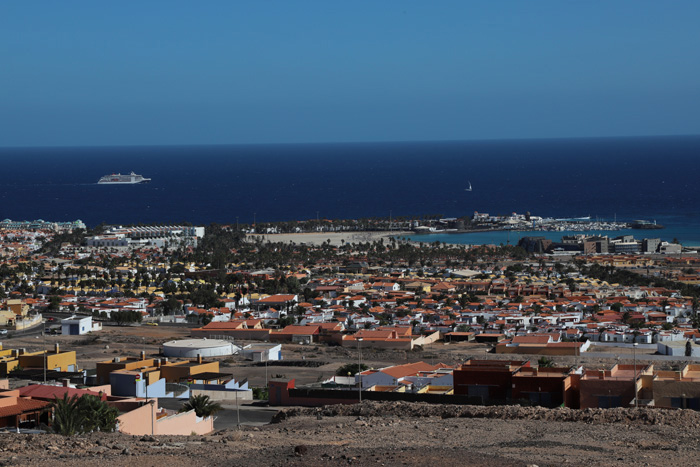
(394, 434)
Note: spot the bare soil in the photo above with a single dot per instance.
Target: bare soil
(395, 434)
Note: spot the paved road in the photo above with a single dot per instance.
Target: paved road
(33, 331)
(250, 415)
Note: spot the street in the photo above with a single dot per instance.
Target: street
(250, 415)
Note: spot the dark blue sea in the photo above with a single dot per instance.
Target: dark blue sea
(654, 178)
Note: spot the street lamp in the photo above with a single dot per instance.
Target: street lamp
(359, 367)
(43, 338)
(634, 379)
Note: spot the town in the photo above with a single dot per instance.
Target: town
(148, 318)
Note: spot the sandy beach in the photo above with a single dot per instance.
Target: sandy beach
(336, 238)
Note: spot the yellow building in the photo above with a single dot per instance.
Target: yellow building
(175, 372)
(8, 362)
(11, 359)
(13, 310)
(54, 360)
(103, 369)
(18, 307)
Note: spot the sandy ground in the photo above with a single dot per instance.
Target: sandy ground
(417, 435)
(336, 238)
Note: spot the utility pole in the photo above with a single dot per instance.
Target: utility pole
(634, 379)
(238, 412)
(359, 368)
(43, 338)
(153, 415)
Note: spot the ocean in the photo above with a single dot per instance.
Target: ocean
(653, 178)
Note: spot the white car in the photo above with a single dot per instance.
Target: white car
(3, 332)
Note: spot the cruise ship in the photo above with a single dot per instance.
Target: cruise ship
(119, 179)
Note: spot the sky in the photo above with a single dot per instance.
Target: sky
(86, 73)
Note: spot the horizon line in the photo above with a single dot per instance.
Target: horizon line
(673, 135)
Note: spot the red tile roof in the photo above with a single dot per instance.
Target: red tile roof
(40, 391)
(22, 406)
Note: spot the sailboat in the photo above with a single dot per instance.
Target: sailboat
(470, 187)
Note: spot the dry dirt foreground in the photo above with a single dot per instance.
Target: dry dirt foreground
(394, 434)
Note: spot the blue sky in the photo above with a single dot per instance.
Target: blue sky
(228, 72)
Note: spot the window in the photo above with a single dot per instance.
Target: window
(539, 398)
(685, 403)
(609, 402)
(478, 390)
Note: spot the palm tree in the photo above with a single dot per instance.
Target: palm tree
(82, 415)
(201, 405)
(67, 419)
(98, 416)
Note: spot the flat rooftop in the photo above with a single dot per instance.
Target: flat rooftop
(198, 343)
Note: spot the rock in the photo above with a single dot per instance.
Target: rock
(300, 450)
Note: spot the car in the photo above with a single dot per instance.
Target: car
(3, 332)
(151, 324)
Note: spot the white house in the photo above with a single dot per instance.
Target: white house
(262, 352)
(79, 325)
(393, 375)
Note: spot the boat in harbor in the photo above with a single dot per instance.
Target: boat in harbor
(645, 225)
(119, 179)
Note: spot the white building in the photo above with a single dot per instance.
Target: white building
(79, 325)
(262, 352)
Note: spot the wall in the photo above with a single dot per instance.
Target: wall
(28, 322)
(536, 350)
(244, 334)
(138, 420)
(396, 344)
(105, 368)
(174, 373)
(185, 423)
(664, 390)
(284, 393)
(498, 381)
(63, 360)
(229, 396)
(677, 350)
(429, 339)
(592, 388)
(126, 385)
(553, 385)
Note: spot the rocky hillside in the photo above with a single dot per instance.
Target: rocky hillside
(393, 434)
